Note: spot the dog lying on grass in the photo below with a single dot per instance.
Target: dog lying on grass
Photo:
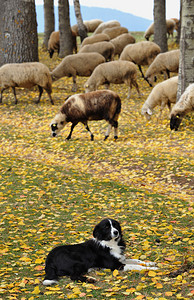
(105, 250)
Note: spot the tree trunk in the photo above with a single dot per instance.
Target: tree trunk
(66, 42)
(18, 31)
(49, 21)
(186, 62)
(81, 27)
(160, 37)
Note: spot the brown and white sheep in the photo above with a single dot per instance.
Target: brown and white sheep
(95, 39)
(54, 43)
(163, 63)
(121, 41)
(113, 72)
(141, 53)
(170, 26)
(115, 31)
(26, 75)
(108, 24)
(104, 48)
(81, 64)
(182, 107)
(162, 94)
(98, 105)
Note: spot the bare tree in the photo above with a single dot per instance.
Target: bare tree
(186, 62)
(66, 42)
(49, 21)
(18, 31)
(160, 37)
(81, 27)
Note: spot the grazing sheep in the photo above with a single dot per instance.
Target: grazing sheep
(54, 43)
(163, 63)
(115, 31)
(98, 105)
(104, 48)
(108, 24)
(162, 94)
(90, 25)
(26, 75)
(141, 53)
(170, 26)
(95, 39)
(121, 41)
(81, 64)
(182, 107)
(113, 72)
(176, 23)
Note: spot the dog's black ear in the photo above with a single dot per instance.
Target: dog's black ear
(95, 232)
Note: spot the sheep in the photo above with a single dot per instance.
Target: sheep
(115, 31)
(54, 43)
(113, 72)
(182, 107)
(98, 105)
(170, 26)
(95, 38)
(81, 64)
(163, 63)
(108, 24)
(176, 23)
(162, 94)
(121, 41)
(90, 25)
(141, 53)
(104, 48)
(26, 75)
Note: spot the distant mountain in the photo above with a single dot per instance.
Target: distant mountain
(132, 22)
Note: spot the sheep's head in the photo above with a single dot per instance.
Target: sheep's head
(147, 112)
(175, 121)
(58, 123)
(89, 88)
(151, 79)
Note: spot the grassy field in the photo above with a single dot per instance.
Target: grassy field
(54, 191)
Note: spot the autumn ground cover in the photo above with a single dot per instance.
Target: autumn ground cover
(54, 191)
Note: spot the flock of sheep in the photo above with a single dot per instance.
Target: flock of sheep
(95, 60)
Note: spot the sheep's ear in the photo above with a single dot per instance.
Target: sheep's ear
(149, 112)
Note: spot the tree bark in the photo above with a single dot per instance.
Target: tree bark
(18, 31)
(81, 27)
(66, 42)
(186, 62)
(49, 21)
(160, 37)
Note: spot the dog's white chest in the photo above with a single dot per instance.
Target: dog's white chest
(115, 250)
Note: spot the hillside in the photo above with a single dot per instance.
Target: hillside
(133, 23)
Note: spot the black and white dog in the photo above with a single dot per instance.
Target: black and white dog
(105, 250)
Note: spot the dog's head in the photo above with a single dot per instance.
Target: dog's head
(107, 229)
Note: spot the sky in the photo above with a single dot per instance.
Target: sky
(140, 8)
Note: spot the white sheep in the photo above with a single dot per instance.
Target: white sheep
(95, 39)
(54, 42)
(81, 64)
(163, 63)
(113, 72)
(121, 41)
(115, 31)
(90, 25)
(108, 24)
(170, 26)
(26, 75)
(141, 53)
(182, 107)
(98, 105)
(162, 94)
(104, 48)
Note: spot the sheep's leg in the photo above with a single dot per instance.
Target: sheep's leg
(72, 127)
(49, 94)
(88, 129)
(134, 82)
(2, 90)
(108, 132)
(14, 92)
(144, 76)
(74, 88)
(40, 93)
